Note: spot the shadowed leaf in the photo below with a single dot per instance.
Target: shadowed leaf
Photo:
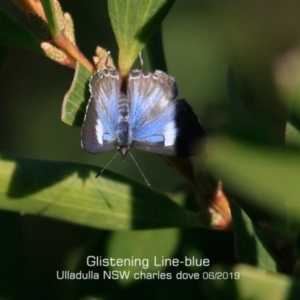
(12, 33)
(249, 248)
(244, 282)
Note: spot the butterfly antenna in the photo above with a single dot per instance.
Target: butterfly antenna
(146, 180)
(106, 59)
(99, 173)
(141, 60)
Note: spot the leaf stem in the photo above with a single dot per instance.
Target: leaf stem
(65, 44)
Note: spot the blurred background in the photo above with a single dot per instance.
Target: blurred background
(258, 40)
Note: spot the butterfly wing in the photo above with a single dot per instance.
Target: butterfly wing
(98, 129)
(160, 123)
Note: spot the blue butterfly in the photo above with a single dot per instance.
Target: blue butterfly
(146, 116)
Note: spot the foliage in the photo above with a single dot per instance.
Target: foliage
(245, 184)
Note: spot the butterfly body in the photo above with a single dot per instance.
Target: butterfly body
(147, 117)
(123, 128)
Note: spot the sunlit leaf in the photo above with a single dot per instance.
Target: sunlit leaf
(133, 23)
(75, 100)
(70, 192)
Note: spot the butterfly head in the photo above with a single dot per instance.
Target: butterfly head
(123, 150)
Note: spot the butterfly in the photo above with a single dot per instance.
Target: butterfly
(147, 116)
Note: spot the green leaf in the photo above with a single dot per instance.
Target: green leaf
(269, 176)
(12, 33)
(70, 192)
(133, 23)
(147, 246)
(75, 100)
(252, 283)
(249, 248)
(155, 51)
